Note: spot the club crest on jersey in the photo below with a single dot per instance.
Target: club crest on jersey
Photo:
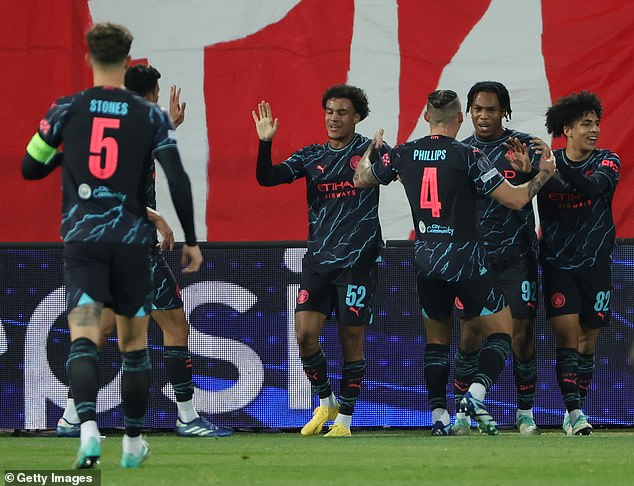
(484, 163)
(386, 159)
(84, 191)
(302, 297)
(354, 161)
(421, 227)
(558, 300)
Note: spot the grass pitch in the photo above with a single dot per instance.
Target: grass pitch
(368, 457)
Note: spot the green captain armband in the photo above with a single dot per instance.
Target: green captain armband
(40, 150)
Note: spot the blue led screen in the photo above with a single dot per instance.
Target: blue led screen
(246, 367)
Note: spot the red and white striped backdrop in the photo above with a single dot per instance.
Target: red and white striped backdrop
(227, 56)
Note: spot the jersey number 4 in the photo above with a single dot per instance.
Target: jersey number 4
(104, 151)
(429, 192)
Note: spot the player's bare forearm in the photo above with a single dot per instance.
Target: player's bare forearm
(547, 169)
(363, 175)
(366, 178)
(537, 182)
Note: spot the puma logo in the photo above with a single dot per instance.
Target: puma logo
(356, 311)
(322, 169)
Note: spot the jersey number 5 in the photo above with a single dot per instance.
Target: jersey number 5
(103, 169)
(429, 192)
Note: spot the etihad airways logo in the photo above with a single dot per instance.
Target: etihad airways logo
(567, 200)
(332, 190)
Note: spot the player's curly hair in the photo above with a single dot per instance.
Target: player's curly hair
(141, 79)
(356, 96)
(497, 89)
(109, 43)
(571, 108)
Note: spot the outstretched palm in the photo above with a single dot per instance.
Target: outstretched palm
(265, 125)
(517, 155)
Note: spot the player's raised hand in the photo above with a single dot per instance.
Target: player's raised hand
(177, 109)
(265, 125)
(517, 155)
(367, 159)
(191, 259)
(363, 176)
(547, 161)
(539, 146)
(377, 142)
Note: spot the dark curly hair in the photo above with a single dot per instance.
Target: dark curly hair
(571, 108)
(109, 43)
(497, 89)
(141, 79)
(356, 96)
